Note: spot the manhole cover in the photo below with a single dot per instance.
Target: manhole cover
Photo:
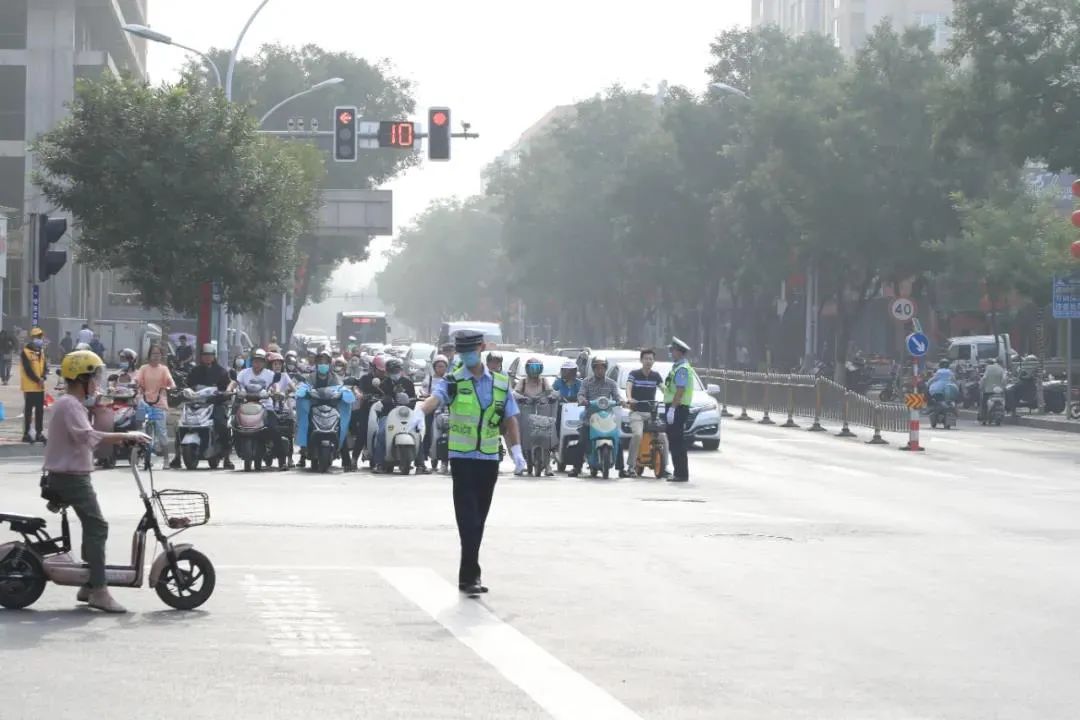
(674, 499)
(751, 536)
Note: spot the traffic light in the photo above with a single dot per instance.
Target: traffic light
(438, 133)
(50, 262)
(345, 134)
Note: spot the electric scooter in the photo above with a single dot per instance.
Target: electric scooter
(182, 577)
(569, 434)
(199, 440)
(603, 436)
(538, 432)
(114, 411)
(400, 444)
(651, 448)
(251, 429)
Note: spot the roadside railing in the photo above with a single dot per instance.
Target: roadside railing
(780, 398)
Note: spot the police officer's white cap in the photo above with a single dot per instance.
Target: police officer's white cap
(209, 349)
(678, 344)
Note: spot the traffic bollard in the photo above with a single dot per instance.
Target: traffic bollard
(913, 433)
(723, 409)
(816, 427)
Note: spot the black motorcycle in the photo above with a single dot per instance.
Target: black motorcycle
(1021, 393)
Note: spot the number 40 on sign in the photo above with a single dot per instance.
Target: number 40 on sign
(902, 309)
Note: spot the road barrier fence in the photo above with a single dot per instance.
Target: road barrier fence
(789, 396)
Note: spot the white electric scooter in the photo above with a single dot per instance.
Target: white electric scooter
(402, 444)
(182, 577)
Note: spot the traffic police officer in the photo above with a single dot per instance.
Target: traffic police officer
(678, 395)
(481, 408)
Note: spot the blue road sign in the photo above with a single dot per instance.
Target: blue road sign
(1066, 303)
(35, 306)
(917, 344)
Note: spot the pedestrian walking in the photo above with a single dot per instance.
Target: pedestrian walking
(68, 343)
(481, 408)
(85, 335)
(97, 346)
(8, 344)
(34, 369)
(678, 395)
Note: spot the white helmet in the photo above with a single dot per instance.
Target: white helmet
(209, 349)
(260, 353)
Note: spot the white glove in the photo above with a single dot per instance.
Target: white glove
(140, 438)
(416, 421)
(671, 416)
(519, 459)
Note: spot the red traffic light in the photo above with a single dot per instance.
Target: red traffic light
(1076, 188)
(345, 117)
(439, 119)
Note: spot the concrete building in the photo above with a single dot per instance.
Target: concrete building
(537, 129)
(45, 46)
(848, 22)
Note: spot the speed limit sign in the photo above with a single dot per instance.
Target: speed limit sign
(902, 309)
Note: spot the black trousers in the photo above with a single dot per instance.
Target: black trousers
(34, 404)
(474, 485)
(677, 442)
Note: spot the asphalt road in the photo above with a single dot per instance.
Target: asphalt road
(797, 576)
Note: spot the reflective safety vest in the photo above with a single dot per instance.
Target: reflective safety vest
(473, 428)
(36, 360)
(670, 388)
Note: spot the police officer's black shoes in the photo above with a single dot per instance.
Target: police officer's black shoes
(678, 479)
(174, 464)
(229, 465)
(472, 589)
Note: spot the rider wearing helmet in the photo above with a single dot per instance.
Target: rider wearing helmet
(495, 362)
(291, 365)
(394, 384)
(568, 384)
(341, 366)
(594, 387)
(533, 385)
(208, 373)
(583, 362)
(69, 460)
(322, 377)
(440, 365)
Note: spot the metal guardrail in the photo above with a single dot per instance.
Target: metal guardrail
(791, 396)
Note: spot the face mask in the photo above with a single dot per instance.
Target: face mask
(323, 369)
(395, 376)
(471, 358)
(36, 343)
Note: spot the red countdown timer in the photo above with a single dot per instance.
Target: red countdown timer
(397, 134)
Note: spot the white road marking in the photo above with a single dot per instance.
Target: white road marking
(841, 470)
(559, 690)
(300, 624)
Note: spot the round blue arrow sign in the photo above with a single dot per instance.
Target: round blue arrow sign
(917, 344)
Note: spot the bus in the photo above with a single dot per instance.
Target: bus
(363, 327)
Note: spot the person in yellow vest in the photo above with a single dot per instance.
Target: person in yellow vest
(34, 369)
(678, 395)
(481, 409)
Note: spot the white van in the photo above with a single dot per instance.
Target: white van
(968, 350)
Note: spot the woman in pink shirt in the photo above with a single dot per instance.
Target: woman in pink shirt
(154, 382)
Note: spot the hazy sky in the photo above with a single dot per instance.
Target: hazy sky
(498, 65)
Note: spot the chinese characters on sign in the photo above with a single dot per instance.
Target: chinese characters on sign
(1066, 303)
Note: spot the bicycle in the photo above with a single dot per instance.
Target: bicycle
(154, 425)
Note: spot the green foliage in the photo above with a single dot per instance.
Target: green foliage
(173, 188)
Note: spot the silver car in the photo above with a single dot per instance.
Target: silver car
(704, 421)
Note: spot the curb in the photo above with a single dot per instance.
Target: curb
(16, 451)
(1039, 423)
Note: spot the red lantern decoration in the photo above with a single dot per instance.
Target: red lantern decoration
(1074, 249)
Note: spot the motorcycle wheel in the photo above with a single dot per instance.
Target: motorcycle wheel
(190, 455)
(194, 585)
(404, 460)
(537, 462)
(324, 458)
(605, 461)
(247, 466)
(22, 580)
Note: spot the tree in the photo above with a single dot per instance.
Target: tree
(173, 188)
(446, 265)
(1022, 91)
(277, 72)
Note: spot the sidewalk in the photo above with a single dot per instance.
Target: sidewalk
(1058, 423)
(11, 429)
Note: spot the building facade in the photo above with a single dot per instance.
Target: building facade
(849, 22)
(45, 47)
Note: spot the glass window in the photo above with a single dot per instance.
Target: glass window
(13, 25)
(12, 101)
(986, 351)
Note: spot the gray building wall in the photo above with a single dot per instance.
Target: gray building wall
(44, 46)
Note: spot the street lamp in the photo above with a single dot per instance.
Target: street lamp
(154, 36)
(314, 88)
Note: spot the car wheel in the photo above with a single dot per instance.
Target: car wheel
(710, 444)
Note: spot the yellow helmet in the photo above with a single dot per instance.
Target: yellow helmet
(80, 362)
(37, 332)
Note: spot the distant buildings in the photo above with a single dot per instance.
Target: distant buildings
(45, 46)
(537, 129)
(849, 22)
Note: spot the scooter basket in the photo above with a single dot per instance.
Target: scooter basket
(183, 508)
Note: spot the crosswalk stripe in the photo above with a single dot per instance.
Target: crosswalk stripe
(560, 691)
